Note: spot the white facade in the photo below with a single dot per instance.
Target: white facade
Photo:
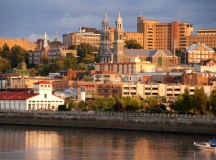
(41, 99)
(201, 68)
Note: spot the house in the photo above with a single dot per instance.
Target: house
(40, 99)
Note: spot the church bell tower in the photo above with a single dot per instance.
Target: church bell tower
(118, 39)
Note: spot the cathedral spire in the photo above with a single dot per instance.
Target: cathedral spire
(45, 43)
(45, 40)
(105, 22)
(119, 22)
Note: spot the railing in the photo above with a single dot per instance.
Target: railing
(123, 114)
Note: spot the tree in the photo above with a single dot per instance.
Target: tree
(32, 72)
(131, 104)
(70, 62)
(186, 101)
(18, 54)
(59, 64)
(62, 108)
(5, 53)
(83, 50)
(151, 102)
(82, 66)
(118, 106)
(132, 44)
(88, 79)
(82, 105)
(212, 101)
(199, 100)
(4, 65)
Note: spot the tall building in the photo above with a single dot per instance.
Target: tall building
(134, 36)
(76, 38)
(24, 43)
(206, 36)
(158, 35)
(118, 54)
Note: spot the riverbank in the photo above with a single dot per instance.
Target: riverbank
(199, 124)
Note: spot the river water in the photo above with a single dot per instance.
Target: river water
(52, 143)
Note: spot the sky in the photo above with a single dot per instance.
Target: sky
(31, 18)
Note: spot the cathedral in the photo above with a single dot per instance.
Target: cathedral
(119, 54)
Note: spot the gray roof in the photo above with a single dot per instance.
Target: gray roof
(145, 52)
(195, 46)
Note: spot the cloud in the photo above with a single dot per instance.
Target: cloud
(21, 18)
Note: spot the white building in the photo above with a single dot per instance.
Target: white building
(41, 99)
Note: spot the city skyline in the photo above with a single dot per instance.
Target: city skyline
(30, 19)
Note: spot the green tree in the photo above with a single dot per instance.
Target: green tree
(199, 100)
(88, 79)
(151, 102)
(82, 105)
(131, 104)
(70, 62)
(212, 101)
(132, 44)
(62, 108)
(59, 65)
(83, 50)
(5, 53)
(18, 54)
(82, 67)
(4, 65)
(92, 104)
(72, 47)
(118, 106)
(32, 72)
(186, 102)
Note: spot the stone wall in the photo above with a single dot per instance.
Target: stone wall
(109, 120)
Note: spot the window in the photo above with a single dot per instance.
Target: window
(159, 61)
(45, 95)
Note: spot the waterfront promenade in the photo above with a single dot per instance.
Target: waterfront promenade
(179, 123)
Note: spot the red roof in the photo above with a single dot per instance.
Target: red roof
(16, 95)
(43, 82)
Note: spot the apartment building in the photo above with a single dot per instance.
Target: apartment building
(168, 91)
(109, 89)
(134, 36)
(24, 43)
(196, 78)
(206, 36)
(196, 53)
(158, 35)
(127, 68)
(76, 38)
(35, 56)
(106, 77)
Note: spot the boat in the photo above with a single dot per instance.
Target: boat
(210, 145)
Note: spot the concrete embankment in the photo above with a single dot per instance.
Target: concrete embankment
(124, 121)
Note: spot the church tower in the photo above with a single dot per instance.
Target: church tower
(118, 39)
(105, 38)
(46, 47)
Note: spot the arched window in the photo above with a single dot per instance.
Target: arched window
(160, 61)
(120, 37)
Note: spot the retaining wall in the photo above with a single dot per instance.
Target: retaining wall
(111, 120)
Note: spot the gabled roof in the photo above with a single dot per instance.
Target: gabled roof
(43, 82)
(195, 46)
(145, 52)
(16, 95)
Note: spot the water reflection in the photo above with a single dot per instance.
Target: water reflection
(37, 143)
